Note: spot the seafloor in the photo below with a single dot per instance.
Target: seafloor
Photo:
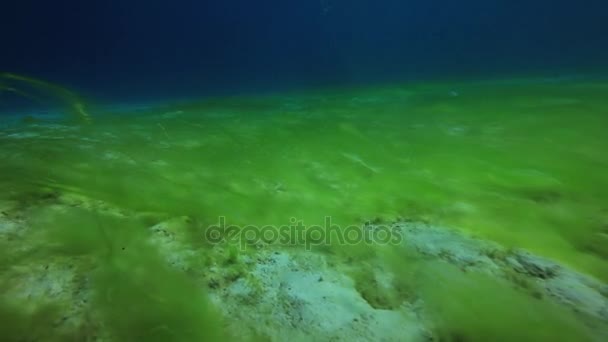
(490, 200)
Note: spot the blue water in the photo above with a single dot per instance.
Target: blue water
(142, 50)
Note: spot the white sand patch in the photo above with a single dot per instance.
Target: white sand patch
(299, 296)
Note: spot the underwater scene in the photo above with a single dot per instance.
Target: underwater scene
(304, 171)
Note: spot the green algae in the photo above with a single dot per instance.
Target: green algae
(520, 164)
(134, 292)
(485, 161)
(29, 324)
(73, 102)
(475, 307)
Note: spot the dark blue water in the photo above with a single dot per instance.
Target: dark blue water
(143, 50)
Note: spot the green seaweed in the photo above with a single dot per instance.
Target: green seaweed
(73, 101)
(141, 299)
(523, 165)
(29, 324)
(137, 295)
(475, 307)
